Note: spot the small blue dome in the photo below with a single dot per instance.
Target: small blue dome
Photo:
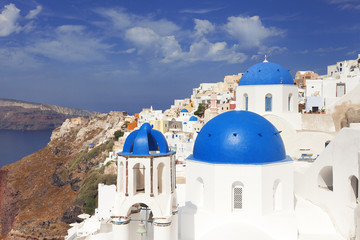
(266, 73)
(184, 110)
(193, 119)
(140, 142)
(239, 137)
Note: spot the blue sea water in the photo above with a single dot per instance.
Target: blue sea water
(14, 145)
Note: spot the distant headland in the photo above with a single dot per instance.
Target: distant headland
(21, 115)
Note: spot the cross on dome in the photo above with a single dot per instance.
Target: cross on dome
(265, 59)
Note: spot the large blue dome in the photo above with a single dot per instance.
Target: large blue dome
(145, 142)
(266, 73)
(239, 137)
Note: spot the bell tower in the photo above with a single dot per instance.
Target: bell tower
(146, 190)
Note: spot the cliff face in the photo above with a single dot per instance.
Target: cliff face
(19, 115)
(39, 195)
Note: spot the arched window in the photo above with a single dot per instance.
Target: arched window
(268, 102)
(161, 179)
(121, 178)
(199, 190)
(354, 189)
(325, 178)
(139, 178)
(277, 195)
(246, 102)
(289, 102)
(237, 196)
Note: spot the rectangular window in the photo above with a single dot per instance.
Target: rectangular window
(238, 197)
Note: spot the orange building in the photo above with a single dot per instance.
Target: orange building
(302, 76)
(132, 125)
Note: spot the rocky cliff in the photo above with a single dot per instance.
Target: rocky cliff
(20, 115)
(44, 192)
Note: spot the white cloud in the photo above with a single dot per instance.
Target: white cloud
(70, 43)
(157, 38)
(329, 49)
(216, 52)
(268, 51)
(143, 37)
(203, 27)
(350, 6)
(8, 20)
(249, 31)
(122, 20)
(33, 13)
(163, 40)
(128, 51)
(346, 4)
(168, 48)
(118, 18)
(200, 11)
(341, 1)
(14, 57)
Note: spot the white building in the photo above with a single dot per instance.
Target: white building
(146, 180)
(148, 114)
(182, 143)
(184, 114)
(224, 92)
(268, 88)
(239, 182)
(191, 125)
(324, 92)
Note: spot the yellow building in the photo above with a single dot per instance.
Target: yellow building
(160, 125)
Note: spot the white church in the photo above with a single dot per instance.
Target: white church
(240, 182)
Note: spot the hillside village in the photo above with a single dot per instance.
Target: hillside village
(316, 116)
(183, 158)
(319, 100)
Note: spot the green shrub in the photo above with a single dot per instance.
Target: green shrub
(201, 110)
(88, 194)
(118, 134)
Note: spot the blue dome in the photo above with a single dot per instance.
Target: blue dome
(193, 119)
(239, 137)
(266, 73)
(140, 142)
(184, 110)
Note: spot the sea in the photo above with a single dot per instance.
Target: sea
(14, 145)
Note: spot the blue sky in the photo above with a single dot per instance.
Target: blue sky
(125, 55)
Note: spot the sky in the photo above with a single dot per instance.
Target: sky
(127, 55)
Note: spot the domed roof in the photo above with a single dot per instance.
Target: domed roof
(266, 73)
(184, 110)
(143, 141)
(239, 137)
(193, 119)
